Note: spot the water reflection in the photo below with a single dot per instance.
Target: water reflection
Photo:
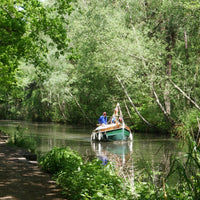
(119, 152)
(150, 147)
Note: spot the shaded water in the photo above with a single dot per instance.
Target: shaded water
(154, 148)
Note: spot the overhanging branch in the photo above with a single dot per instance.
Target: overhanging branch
(184, 94)
(136, 110)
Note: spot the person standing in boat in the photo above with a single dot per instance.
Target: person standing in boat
(113, 119)
(103, 119)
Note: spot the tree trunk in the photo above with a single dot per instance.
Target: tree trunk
(171, 40)
(167, 87)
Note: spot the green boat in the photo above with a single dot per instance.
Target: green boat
(115, 130)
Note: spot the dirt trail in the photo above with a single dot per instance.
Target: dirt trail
(21, 179)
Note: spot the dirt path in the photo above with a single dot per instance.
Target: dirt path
(21, 179)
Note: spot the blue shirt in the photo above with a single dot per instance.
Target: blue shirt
(104, 160)
(113, 120)
(102, 120)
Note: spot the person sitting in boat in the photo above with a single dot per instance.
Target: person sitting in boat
(113, 119)
(103, 119)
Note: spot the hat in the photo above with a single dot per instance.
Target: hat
(104, 113)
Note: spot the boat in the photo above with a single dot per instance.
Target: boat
(114, 130)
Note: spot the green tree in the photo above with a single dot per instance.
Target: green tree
(12, 29)
(75, 56)
(24, 26)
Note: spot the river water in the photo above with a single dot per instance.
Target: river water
(155, 149)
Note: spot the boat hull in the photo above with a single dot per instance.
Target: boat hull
(111, 133)
(119, 134)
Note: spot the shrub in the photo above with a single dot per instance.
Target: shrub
(189, 124)
(95, 181)
(61, 159)
(91, 180)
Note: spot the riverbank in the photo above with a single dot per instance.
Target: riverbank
(22, 179)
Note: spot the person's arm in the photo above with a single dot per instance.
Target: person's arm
(100, 120)
(105, 120)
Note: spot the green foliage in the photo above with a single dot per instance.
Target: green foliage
(12, 28)
(148, 181)
(23, 23)
(20, 140)
(59, 56)
(91, 180)
(188, 181)
(180, 181)
(189, 124)
(152, 113)
(61, 159)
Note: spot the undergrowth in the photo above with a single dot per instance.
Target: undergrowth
(89, 180)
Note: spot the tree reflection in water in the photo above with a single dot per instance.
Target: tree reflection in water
(119, 154)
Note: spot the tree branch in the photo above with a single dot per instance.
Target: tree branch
(128, 111)
(172, 121)
(184, 94)
(79, 106)
(136, 110)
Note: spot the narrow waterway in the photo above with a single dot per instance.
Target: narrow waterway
(155, 149)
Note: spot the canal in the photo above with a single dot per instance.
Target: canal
(155, 149)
